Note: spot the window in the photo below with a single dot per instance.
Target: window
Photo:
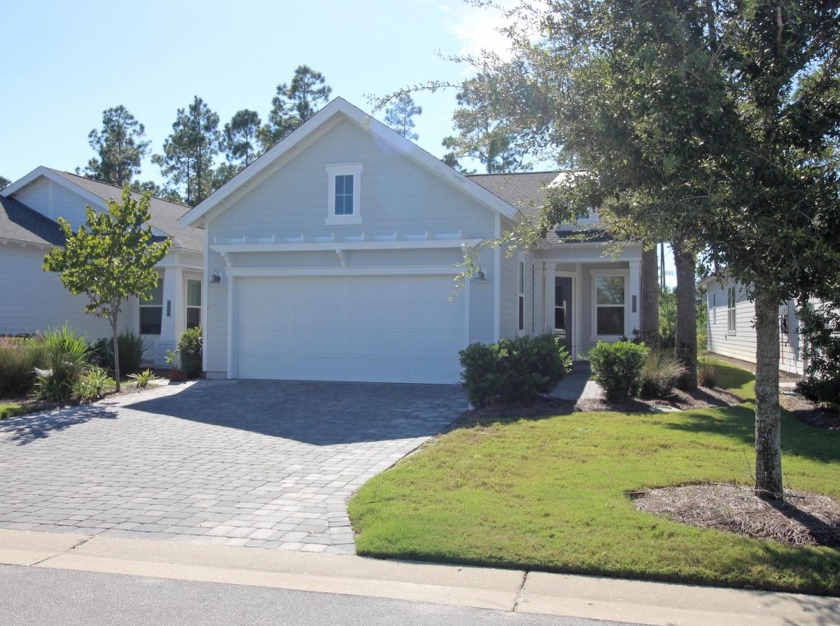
(193, 303)
(151, 311)
(610, 297)
(730, 310)
(344, 193)
(521, 295)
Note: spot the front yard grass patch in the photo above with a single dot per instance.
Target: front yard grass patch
(552, 494)
(13, 409)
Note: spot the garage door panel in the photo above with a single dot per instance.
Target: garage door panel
(378, 343)
(320, 342)
(361, 328)
(376, 315)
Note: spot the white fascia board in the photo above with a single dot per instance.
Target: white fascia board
(225, 249)
(49, 174)
(400, 144)
(277, 272)
(25, 244)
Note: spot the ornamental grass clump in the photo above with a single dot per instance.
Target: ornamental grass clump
(661, 373)
(619, 368)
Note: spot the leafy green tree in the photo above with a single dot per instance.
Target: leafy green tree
(110, 258)
(713, 124)
(482, 134)
(189, 152)
(400, 116)
(294, 104)
(4, 182)
(120, 147)
(156, 191)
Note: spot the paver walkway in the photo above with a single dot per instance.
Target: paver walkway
(266, 464)
(577, 384)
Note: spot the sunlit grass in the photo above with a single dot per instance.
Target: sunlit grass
(551, 494)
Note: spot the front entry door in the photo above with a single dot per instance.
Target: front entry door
(563, 311)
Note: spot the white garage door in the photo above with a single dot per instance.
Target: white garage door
(360, 328)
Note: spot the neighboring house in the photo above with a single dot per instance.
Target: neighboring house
(34, 300)
(333, 257)
(731, 325)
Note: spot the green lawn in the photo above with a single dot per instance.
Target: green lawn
(13, 410)
(550, 494)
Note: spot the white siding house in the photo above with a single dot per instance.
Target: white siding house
(731, 326)
(34, 300)
(333, 257)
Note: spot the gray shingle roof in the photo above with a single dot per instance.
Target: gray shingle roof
(527, 192)
(164, 214)
(20, 223)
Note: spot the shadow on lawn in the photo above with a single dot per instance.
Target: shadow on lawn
(29, 428)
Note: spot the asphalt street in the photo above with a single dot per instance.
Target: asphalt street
(33, 596)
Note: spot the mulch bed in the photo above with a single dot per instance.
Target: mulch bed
(800, 519)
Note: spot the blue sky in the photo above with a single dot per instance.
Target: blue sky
(65, 62)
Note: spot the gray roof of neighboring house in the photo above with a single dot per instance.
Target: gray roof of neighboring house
(20, 223)
(164, 214)
(527, 192)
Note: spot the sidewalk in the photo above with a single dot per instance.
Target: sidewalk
(577, 384)
(504, 590)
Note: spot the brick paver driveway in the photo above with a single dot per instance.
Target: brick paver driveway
(256, 463)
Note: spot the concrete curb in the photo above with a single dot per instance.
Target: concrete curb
(504, 590)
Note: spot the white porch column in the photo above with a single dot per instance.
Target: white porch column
(173, 322)
(548, 319)
(634, 316)
(539, 303)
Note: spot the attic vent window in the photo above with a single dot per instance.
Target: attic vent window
(344, 191)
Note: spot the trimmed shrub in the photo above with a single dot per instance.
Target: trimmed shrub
(189, 348)
(131, 347)
(661, 373)
(821, 330)
(513, 371)
(618, 368)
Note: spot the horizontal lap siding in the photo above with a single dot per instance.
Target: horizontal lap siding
(396, 195)
(54, 201)
(34, 300)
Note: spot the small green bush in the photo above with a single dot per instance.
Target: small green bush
(143, 379)
(18, 358)
(131, 347)
(513, 371)
(92, 385)
(65, 361)
(189, 347)
(618, 368)
(661, 373)
(821, 331)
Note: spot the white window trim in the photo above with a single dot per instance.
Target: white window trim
(343, 169)
(187, 305)
(148, 304)
(594, 275)
(520, 301)
(731, 311)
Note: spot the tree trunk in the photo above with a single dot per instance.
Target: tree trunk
(650, 299)
(116, 350)
(686, 331)
(768, 427)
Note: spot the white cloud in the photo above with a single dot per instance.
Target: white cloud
(477, 29)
